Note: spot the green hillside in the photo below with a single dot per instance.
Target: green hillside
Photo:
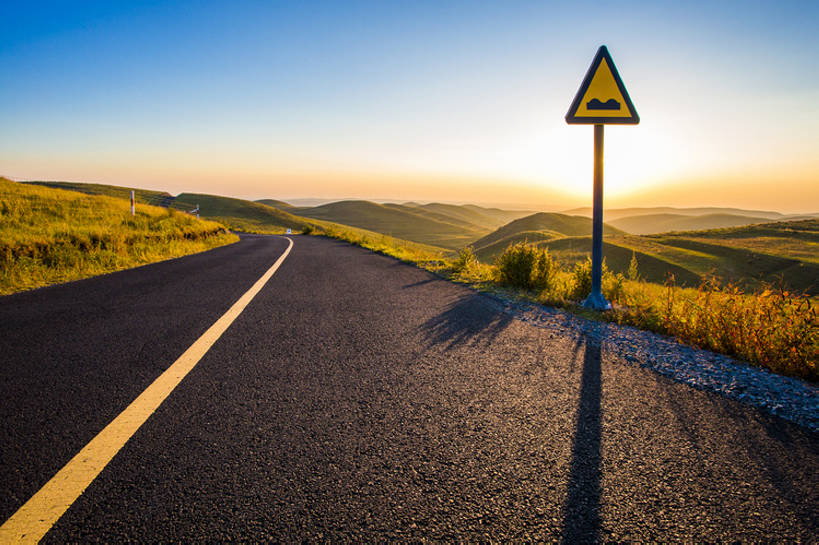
(397, 221)
(281, 205)
(488, 253)
(548, 222)
(487, 218)
(50, 235)
(433, 215)
(242, 215)
(611, 214)
(663, 223)
(145, 196)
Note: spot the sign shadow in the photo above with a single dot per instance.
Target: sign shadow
(581, 511)
(466, 321)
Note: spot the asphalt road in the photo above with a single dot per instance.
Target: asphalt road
(361, 399)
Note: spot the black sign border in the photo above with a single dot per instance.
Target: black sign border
(602, 53)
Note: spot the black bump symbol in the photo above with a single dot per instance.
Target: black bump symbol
(595, 104)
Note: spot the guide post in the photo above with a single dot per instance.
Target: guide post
(602, 99)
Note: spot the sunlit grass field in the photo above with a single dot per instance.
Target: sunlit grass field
(424, 255)
(49, 236)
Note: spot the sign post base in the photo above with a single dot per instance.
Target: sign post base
(596, 301)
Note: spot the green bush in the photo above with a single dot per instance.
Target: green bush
(307, 229)
(581, 282)
(466, 260)
(633, 270)
(612, 285)
(525, 266)
(545, 271)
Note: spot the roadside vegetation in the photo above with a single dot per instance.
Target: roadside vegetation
(772, 327)
(49, 235)
(423, 255)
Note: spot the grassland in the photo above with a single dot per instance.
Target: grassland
(417, 224)
(423, 255)
(51, 235)
(142, 196)
(547, 223)
(663, 223)
(281, 205)
(242, 215)
(618, 213)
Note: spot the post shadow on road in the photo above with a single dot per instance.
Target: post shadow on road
(581, 512)
(469, 320)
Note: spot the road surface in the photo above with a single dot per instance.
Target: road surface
(359, 398)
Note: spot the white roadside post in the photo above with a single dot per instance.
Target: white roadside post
(133, 210)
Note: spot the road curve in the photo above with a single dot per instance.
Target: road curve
(358, 398)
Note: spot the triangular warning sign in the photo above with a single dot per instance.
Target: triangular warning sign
(602, 97)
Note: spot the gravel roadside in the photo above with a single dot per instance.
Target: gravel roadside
(786, 397)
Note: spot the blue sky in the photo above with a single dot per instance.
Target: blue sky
(422, 100)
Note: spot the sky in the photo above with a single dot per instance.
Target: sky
(425, 101)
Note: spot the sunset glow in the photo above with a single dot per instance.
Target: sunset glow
(458, 102)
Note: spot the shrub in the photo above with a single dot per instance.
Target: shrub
(466, 260)
(526, 266)
(581, 281)
(633, 271)
(515, 265)
(307, 229)
(545, 270)
(612, 285)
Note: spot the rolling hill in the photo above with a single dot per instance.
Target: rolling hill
(547, 223)
(145, 196)
(242, 215)
(491, 218)
(609, 215)
(663, 223)
(405, 222)
(281, 205)
(52, 235)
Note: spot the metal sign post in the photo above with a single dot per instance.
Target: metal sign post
(601, 99)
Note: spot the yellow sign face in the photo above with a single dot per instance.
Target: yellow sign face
(602, 97)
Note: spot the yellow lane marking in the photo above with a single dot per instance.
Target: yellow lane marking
(36, 517)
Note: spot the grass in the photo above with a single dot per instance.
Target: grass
(418, 224)
(49, 235)
(548, 222)
(242, 215)
(144, 196)
(663, 223)
(773, 328)
(423, 255)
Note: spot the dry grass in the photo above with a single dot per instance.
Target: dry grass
(773, 328)
(429, 257)
(49, 236)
